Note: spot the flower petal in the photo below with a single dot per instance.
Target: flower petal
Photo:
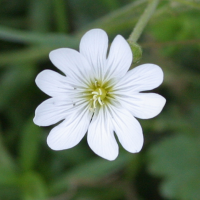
(50, 112)
(141, 78)
(73, 64)
(93, 47)
(101, 137)
(70, 132)
(119, 59)
(128, 129)
(143, 105)
(52, 83)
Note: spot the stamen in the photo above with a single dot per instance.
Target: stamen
(94, 103)
(95, 97)
(95, 93)
(100, 102)
(98, 95)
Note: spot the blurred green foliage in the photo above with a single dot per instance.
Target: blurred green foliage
(166, 168)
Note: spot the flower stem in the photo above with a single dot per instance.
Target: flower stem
(143, 20)
(61, 16)
(189, 3)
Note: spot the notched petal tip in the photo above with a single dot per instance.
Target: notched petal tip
(57, 52)
(57, 56)
(46, 76)
(158, 106)
(107, 156)
(111, 158)
(119, 59)
(128, 130)
(64, 59)
(106, 150)
(157, 72)
(40, 76)
(70, 131)
(35, 121)
(94, 31)
(134, 145)
(139, 146)
(100, 136)
(94, 40)
(142, 78)
(52, 145)
(93, 46)
(161, 103)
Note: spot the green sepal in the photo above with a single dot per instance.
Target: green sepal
(136, 50)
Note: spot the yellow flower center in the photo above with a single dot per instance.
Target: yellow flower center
(99, 95)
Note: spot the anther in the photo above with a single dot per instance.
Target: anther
(100, 102)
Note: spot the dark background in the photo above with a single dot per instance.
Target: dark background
(167, 168)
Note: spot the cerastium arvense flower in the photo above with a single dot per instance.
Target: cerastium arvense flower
(98, 95)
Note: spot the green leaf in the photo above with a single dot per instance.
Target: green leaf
(176, 160)
(6, 161)
(61, 15)
(13, 81)
(31, 54)
(29, 145)
(8, 177)
(190, 3)
(118, 20)
(33, 187)
(90, 171)
(28, 37)
(39, 15)
(8, 168)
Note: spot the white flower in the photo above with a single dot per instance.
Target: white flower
(98, 95)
